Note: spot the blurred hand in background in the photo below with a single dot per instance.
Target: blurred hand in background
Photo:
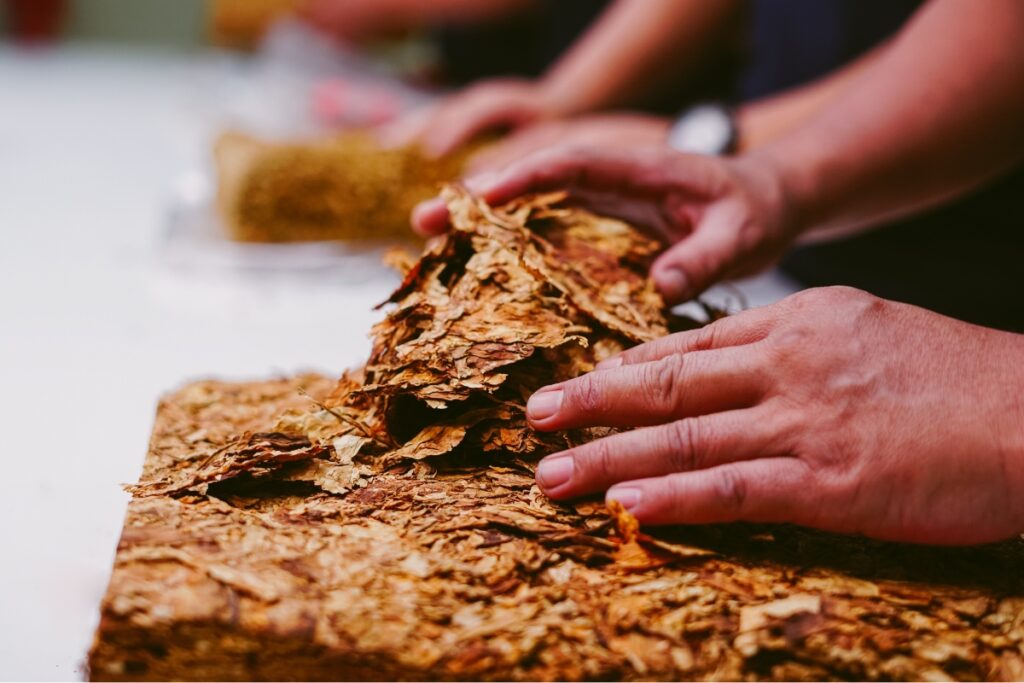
(635, 50)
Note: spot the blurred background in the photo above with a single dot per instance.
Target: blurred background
(116, 284)
(108, 110)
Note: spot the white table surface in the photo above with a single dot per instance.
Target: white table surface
(95, 325)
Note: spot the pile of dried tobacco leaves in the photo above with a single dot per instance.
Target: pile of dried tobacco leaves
(509, 300)
(395, 532)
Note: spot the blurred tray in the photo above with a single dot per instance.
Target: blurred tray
(195, 239)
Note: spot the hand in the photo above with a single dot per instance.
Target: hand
(831, 409)
(607, 130)
(490, 105)
(725, 217)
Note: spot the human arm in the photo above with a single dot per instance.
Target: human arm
(634, 48)
(950, 121)
(757, 122)
(764, 120)
(933, 117)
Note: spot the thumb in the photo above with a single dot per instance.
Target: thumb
(694, 264)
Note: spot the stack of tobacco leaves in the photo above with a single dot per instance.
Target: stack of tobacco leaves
(394, 531)
(341, 188)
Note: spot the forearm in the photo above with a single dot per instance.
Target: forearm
(762, 121)
(938, 114)
(635, 47)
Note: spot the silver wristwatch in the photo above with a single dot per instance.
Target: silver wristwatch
(704, 129)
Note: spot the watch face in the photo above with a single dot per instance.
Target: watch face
(705, 129)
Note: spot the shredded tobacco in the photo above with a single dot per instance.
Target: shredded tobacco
(324, 189)
(387, 526)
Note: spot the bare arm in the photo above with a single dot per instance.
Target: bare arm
(769, 118)
(936, 115)
(636, 47)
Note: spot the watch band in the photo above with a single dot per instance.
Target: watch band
(706, 128)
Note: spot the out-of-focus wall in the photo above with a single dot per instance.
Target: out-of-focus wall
(170, 23)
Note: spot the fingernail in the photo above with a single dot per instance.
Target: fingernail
(609, 363)
(544, 404)
(554, 471)
(672, 282)
(629, 498)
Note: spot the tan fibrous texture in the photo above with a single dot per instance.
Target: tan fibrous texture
(387, 525)
(343, 188)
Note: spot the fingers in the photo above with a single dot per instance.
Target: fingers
(686, 445)
(430, 217)
(641, 175)
(441, 129)
(746, 327)
(515, 147)
(460, 124)
(761, 490)
(676, 386)
(695, 263)
(638, 172)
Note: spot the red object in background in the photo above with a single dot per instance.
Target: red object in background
(36, 21)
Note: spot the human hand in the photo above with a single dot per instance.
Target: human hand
(489, 105)
(724, 217)
(599, 130)
(831, 409)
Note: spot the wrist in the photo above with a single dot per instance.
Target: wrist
(555, 100)
(755, 126)
(776, 197)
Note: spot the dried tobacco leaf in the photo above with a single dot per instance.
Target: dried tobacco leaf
(511, 299)
(386, 525)
(244, 454)
(434, 572)
(346, 187)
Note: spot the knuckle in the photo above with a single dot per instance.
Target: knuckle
(596, 461)
(729, 488)
(706, 337)
(665, 382)
(685, 441)
(702, 265)
(586, 395)
(791, 340)
(838, 295)
(750, 236)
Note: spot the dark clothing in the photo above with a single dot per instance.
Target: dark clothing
(521, 45)
(962, 259)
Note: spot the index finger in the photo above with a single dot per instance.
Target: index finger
(635, 172)
(638, 172)
(739, 329)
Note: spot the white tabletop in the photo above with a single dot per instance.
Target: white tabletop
(95, 324)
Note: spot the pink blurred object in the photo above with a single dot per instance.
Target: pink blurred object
(36, 21)
(340, 102)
